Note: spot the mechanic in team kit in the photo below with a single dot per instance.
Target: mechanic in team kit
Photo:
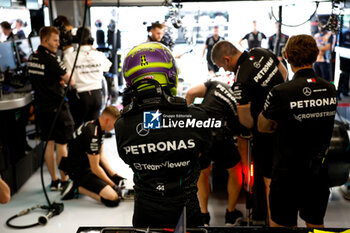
(302, 113)
(161, 139)
(87, 165)
(257, 71)
(220, 103)
(48, 78)
(88, 75)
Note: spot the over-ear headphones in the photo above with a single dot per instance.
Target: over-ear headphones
(174, 13)
(66, 37)
(176, 23)
(84, 36)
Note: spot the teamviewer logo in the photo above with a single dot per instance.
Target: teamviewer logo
(151, 120)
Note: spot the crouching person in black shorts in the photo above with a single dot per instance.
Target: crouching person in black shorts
(220, 103)
(301, 112)
(87, 165)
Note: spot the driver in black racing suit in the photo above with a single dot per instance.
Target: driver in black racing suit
(161, 139)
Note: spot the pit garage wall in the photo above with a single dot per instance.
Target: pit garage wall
(73, 10)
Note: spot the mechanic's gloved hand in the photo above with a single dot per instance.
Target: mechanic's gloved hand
(118, 191)
(118, 180)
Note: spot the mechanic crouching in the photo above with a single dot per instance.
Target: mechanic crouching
(161, 138)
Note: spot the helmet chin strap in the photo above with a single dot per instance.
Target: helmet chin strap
(150, 98)
(136, 88)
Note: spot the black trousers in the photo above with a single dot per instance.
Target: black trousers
(159, 212)
(343, 85)
(86, 106)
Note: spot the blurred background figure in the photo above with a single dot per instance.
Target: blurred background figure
(100, 35)
(20, 33)
(282, 43)
(253, 38)
(6, 29)
(156, 32)
(66, 38)
(324, 41)
(110, 33)
(166, 39)
(344, 41)
(209, 43)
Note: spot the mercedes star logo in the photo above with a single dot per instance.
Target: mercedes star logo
(256, 65)
(307, 91)
(141, 131)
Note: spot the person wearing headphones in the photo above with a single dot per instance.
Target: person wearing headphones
(156, 32)
(161, 139)
(66, 38)
(302, 113)
(88, 75)
(49, 77)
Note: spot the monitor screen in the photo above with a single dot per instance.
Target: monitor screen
(23, 49)
(5, 3)
(7, 56)
(35, 42)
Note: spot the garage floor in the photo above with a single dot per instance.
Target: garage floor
(87, 212)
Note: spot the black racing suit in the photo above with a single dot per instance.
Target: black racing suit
(164, 160)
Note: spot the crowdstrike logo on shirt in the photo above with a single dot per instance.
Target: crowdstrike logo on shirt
(157, 120)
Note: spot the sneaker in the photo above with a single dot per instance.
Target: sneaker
(69, 191)
(205, 219)
(119, 181)
(233, 218)
(345, 189)
(55, 185)
(66, 185)
(119, 191)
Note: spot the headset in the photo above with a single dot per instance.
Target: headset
(66, 37)
(174, 13)
(81, 35)
(152, 97)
